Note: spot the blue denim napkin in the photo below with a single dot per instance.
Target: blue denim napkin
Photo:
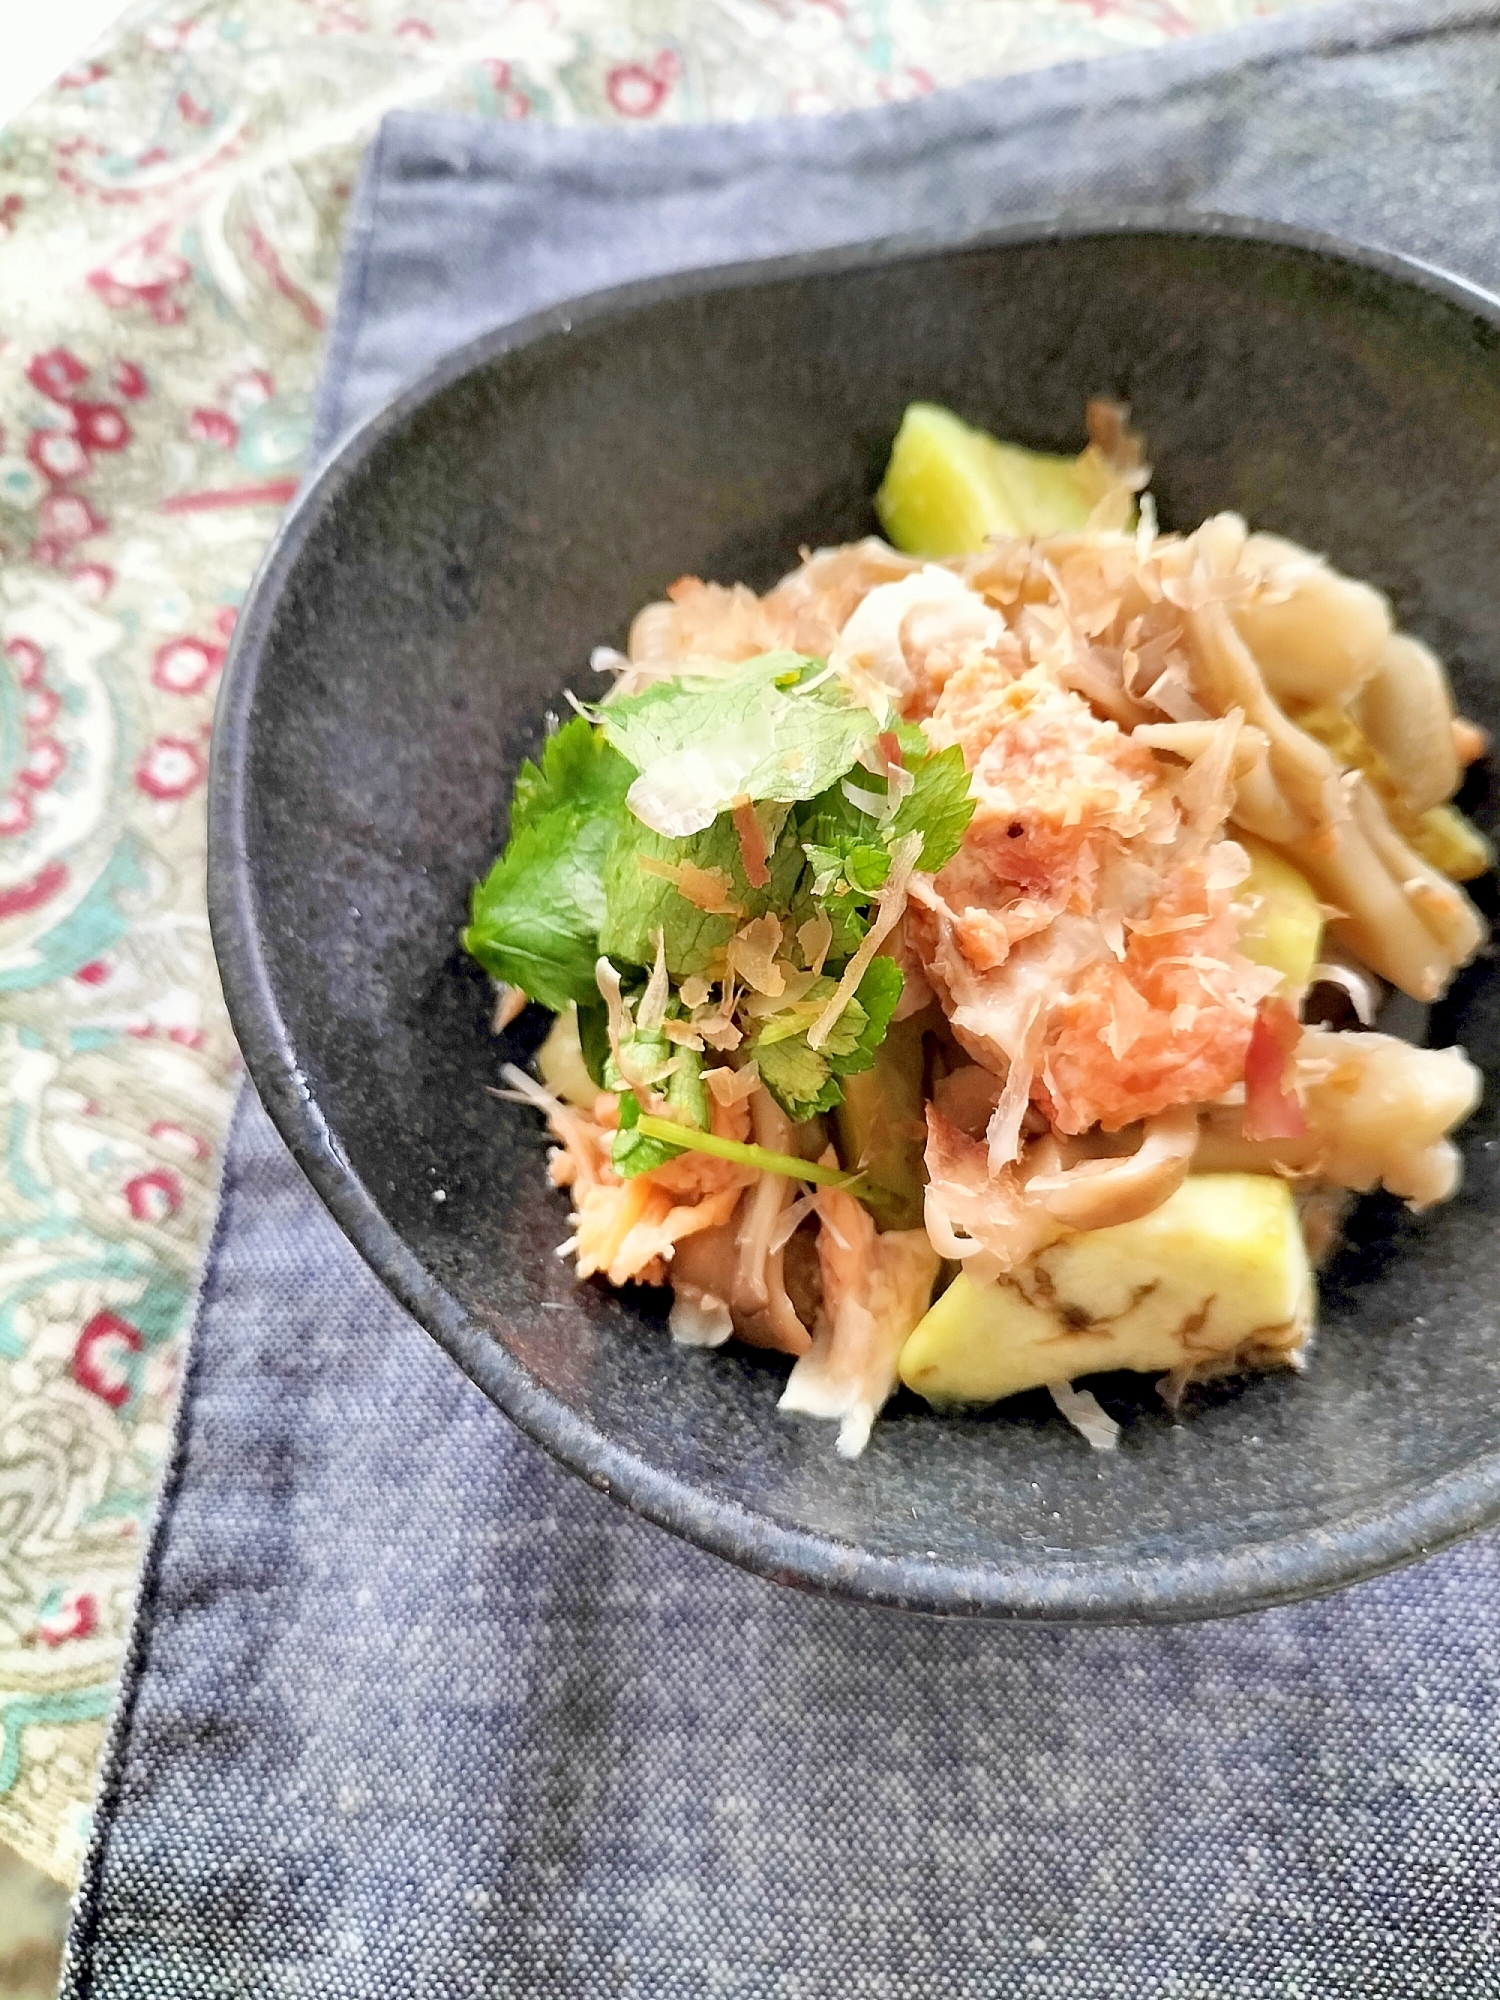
(407, 1710)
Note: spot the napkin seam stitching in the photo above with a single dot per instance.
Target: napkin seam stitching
(80, 1968)
(359, 235)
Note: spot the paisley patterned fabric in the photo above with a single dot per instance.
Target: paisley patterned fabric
(169, 231)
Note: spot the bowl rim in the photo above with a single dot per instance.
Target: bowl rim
(1278, 1570)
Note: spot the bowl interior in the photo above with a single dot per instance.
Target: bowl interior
(443, 586)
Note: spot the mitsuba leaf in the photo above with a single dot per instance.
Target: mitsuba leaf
(769, 729)
(632, 1152)
(577, 768)
(805, 1081)
(852, 1045)
(640, 903)
(535, 918)
(799, 1078)
(939, 805)
(841, 837)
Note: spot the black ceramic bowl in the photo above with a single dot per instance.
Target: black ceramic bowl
(441, 583)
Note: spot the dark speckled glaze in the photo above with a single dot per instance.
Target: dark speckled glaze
(443, 580)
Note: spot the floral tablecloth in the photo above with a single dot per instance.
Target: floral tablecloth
(169, 232)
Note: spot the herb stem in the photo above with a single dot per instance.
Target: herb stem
(787, 1164)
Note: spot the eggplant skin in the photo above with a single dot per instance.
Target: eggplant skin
(1217, 1276)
